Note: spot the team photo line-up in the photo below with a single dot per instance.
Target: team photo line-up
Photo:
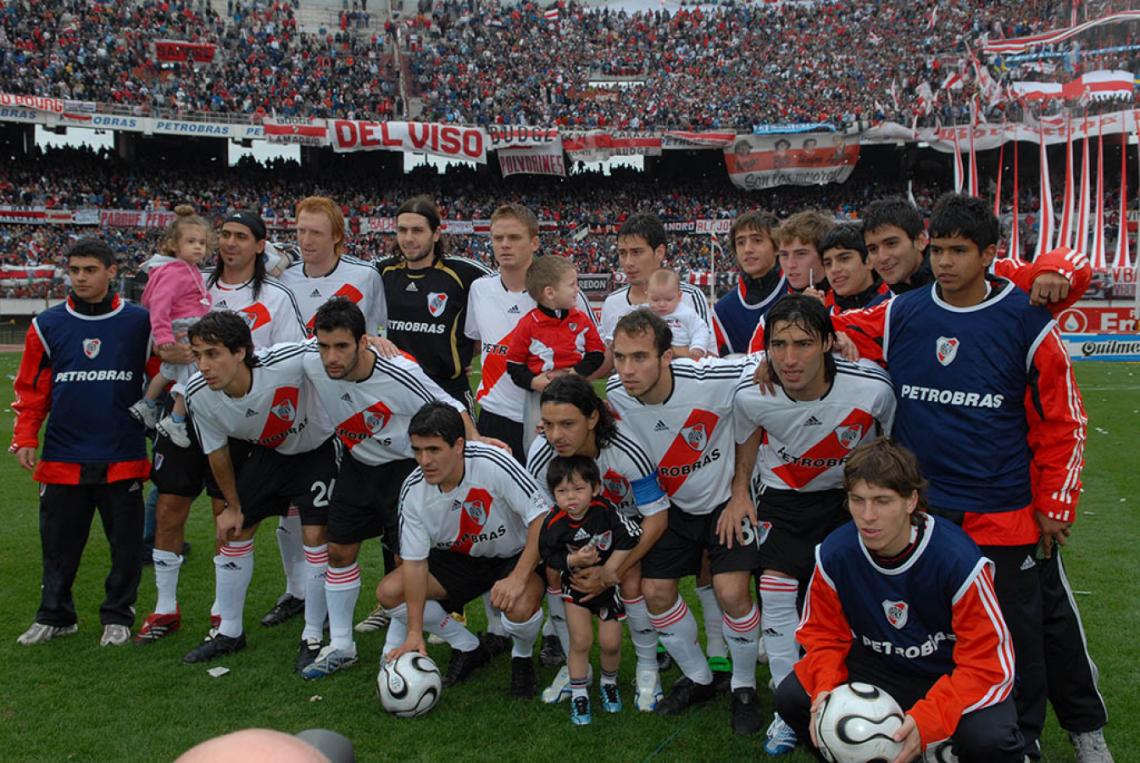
(778, 447)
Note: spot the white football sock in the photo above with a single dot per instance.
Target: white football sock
(779, 620)
(439, 622)
(557, 621)
(316, 608)
(641, 633)
(342, 587)
(166, 566)
(713, 617)
(494, 625)
(678, 631)
(743, 637)
(292, 554)
(233, 569)
(397, 628)
(523, 634)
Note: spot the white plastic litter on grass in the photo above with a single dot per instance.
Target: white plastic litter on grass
(217, 672)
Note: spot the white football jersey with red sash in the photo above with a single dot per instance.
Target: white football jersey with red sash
(806, 443)
(273, 316)
(280, 411)
(493, 312)
(371, 417)
(487, 514)
(690, 435)
(355, 280)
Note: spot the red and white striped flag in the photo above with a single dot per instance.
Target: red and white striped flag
(997, 185)
(551, 14)
(1081, 234)
(1045, 203)
(973, 153)
(1065, 234)
(1014, 229)
(1097, 258)
(959, 171)
(1121, 259)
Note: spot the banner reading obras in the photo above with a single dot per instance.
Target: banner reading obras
(756, 162)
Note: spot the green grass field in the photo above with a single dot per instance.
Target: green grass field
(72, 700)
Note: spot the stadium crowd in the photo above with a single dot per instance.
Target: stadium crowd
(838, 63)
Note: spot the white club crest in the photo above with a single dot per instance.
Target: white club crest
(696, 436)
(437, 303)
(946, 348)
(285, 410)
(476, 511)
(91, 348)
(896, 612)
(849, 436)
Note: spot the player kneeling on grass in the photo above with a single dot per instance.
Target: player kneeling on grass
(585, 530)
(470, 517)
(905, 601)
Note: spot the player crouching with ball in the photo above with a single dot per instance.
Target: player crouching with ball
(585, 530)
(905, 601)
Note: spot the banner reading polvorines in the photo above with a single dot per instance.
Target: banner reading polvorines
(756, 162)
(451, 141)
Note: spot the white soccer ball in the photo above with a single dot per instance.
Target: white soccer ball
(409, 686)
(855, 725)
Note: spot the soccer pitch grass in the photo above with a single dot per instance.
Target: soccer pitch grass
(72, 700)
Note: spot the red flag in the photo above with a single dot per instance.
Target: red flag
(1014, 238)
(997, 190)
(1098, 258)
(973, 153)
(1065, 234)
(1081, 234)
(1045, 203)
(1121, 259)
(958, 169)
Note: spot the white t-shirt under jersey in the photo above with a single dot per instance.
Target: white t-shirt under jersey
(806, 443)
(493, 312)
(280, 411)
(618, 305)
(689, 329)
(273, 317)
(354, 279)
(690, 435)
(371, 417)
(486, 515)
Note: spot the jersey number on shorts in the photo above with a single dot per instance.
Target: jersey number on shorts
(322, 493)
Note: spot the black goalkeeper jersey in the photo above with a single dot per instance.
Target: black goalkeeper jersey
(426, 310)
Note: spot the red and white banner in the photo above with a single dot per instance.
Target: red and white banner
(534, 160)
(600, 145)
(177, 51)
(990, 135)
(1021, 44)
(305, 132)
(518, 136)
(681, 139)
(1094, 319)
(34, 216)
(33, 273)
(450, 141)
(756, 162)
(1094, 85)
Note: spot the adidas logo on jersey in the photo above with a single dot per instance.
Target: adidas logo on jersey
(220, 303)
(315, 293)
(813, 422)
(250, 412)
(411, 287)
(514, 310)
(346, 397)
(660, 426)
(581, 534)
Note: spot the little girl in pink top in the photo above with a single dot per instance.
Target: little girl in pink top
(176, 297)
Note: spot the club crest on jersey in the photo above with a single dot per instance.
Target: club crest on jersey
(946, 348)
(849, 436)
(91, 348)
(603, 541)
(374, 422)
(476, 511)
(616, 486)
(437, 303)
(696, 436)
(285, 410)
(896, 612)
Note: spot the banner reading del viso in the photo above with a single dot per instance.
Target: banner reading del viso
(450, 141)
(756, 162)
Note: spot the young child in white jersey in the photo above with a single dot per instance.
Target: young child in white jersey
(690, 332)
(586, 530)
(176, 297)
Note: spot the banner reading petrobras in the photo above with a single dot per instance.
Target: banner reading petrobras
(169, 51)
(1103, 347)
(756, 162)
(450, 141)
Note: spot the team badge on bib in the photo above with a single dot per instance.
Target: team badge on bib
(437, 303)
(946, 348)
(696, 436)
(91, 348)
(476, 511)
(896, 612)
(850, 436)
